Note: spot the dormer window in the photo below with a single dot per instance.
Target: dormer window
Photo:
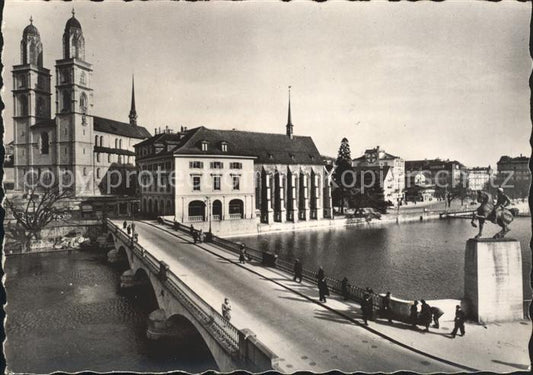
(224, 146)
(270, 156)
(204, 145)
(291, 156)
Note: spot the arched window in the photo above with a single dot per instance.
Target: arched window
(85, 171)
(116, 143)
(109, 158)
(45, 143)
(217, 210)
(120, 159)
(98, 157)
(97, 172)
(96, 140)
(120, 144)
(83, 79)
(197, 211)
(101, 141)
(236, 209)
(83, 102)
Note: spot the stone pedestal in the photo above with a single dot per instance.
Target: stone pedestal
(493, 280)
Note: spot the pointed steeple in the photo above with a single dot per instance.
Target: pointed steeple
(133, 112)
(289, 121)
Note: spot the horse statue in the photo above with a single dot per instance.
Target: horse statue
(486, 211)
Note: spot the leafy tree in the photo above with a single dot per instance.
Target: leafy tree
(343, 176)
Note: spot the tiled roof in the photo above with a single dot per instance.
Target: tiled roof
(386, 156)
(421, 164)
(119, 128)
(107, 126)
(267, 148)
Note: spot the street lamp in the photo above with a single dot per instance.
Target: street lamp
(208, 202)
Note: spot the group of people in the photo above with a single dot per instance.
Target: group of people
(130, 229)
(428, 313)
(197, 235)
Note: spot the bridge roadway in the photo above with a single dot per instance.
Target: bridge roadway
(304, 334)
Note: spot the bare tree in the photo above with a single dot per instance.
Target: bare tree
(42, 206)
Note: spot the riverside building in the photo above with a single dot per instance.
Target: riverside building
(231, 180)
(388, 171)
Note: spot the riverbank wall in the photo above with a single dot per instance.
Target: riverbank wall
(71, 235)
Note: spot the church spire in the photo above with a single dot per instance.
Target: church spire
(289, 122)
(133, 112)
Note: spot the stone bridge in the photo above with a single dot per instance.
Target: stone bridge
(230, 347)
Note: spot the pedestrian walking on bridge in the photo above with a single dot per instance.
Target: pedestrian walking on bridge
(242, 256)
(437, 313)
(124, 224)
(323, 289)
(425, 315)
(459, 322)
(367, 307)
(344, 288)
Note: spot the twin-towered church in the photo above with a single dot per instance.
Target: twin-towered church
(74, 147)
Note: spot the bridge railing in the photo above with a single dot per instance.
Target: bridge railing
(221, 329)
(354, 292)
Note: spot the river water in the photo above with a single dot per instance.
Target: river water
(413, 260)
(65, 312)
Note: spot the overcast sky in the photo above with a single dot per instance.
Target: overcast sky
(422, 80)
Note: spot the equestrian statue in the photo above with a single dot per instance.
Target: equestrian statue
(495, 213)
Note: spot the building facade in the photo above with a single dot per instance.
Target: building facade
(75, 148)
(229, 179)
(514, 175)
(388, 171)
(479, 177)
(443, 175)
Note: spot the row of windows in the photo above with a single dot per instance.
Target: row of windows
(111, 158)
(214, 165)
(197, 182)
(99, 142)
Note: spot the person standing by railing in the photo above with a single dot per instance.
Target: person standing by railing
(226, 309)
(242, 256)
(344, 288)
(425, 315)
(367, 307)
(323, 289)
(414, 314)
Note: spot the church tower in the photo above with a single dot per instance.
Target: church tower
(74, 101)
(31, 99)
(133, 112)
